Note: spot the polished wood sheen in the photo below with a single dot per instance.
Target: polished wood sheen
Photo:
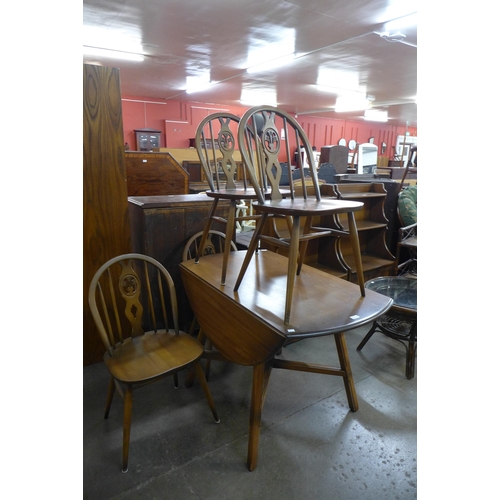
(155, 174)
(106, 226)
(247, 326)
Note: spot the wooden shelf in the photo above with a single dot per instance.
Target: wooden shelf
(334, 255)
(373, 266)
(364, 225)
(361, 196)
(372, 226)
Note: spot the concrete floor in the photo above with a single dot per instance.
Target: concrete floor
(311, 445)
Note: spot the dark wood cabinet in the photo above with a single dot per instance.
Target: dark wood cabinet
(152, 174)
(147, 138)
(161, 227)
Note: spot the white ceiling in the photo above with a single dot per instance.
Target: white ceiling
(216, 39)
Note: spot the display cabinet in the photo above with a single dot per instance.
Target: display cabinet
(147, 139)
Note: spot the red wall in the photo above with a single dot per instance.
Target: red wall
(178, 121)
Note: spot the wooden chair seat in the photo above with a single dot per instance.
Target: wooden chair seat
(152, 355)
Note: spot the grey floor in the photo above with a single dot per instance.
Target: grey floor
(311, 447)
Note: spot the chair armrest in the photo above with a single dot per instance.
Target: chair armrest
(407, 232)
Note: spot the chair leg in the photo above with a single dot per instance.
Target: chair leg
(411, 352)
(209, 347)
(127, 422)
(356, 251)
(109, 399)
(191, 373)
(252, 246)
(206, 390)
(229, 238)
(206, 230)
(303, 245)
(292, 267)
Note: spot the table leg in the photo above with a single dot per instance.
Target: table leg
(356, 251)
(261, 374)
(345, 364)
(368, 336)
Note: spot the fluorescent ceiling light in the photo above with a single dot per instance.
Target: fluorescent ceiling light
(351, 103)
(401, 23)
(199, 82)
(375, 115)
(339, 81)
(273, 64)
(269, 47)
(199, 87)
(257, 98)
(340, 91)
(113, 54)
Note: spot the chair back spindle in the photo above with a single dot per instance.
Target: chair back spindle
(266, 133)
(215, 143)
(127, 292)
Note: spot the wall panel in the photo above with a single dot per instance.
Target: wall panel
(178, 121)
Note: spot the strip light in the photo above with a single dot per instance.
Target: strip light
(273, 64)
(114, 54)
(351, 103)
(254, 98)
(375, 115)
(199, 87)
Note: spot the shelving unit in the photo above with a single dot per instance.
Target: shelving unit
(336, 253)
(147, 139)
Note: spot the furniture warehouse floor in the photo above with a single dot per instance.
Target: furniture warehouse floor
(311, 444)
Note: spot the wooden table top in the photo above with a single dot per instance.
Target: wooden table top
(247, 326)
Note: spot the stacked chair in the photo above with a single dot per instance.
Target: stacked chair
(263, 133)
(215, 143)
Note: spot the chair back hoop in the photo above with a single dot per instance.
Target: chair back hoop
(215, 143)
(264, 134)
(214, 244)
(126, 289)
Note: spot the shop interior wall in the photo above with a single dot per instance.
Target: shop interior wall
(178, 121)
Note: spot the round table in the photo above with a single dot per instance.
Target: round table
(400, 322)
